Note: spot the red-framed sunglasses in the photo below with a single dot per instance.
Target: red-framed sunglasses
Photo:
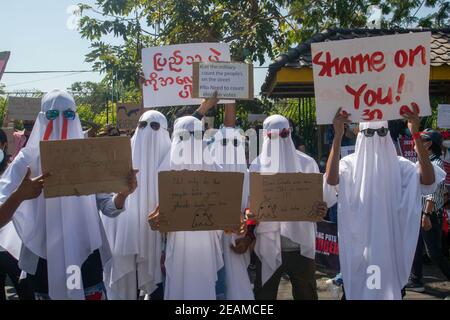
(284, 133)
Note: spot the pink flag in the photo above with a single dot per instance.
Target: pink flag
(4, 56)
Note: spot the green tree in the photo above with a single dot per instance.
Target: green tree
(256, 30)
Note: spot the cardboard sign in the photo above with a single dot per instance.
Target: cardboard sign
(85, 166)
(128, 115)
(373, 79)
(406, 146)
(20, 108)
(231, 80)
(285, 196)
(168, 71)
(444, 116)
(199, 200)
(4, 57)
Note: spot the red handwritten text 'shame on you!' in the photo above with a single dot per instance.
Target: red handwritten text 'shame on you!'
(374, 77)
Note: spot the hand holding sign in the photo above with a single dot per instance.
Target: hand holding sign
(153, 219)
(320, 209)
(340, 119)
(413, 121)
(31, 188)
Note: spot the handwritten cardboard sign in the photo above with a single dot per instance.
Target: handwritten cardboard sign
(373, 79)
(444, 116)
(128, 115)
(285, 196)
(231, 80)
(168, 71)
(199, 200)
(85, 166)
(21, 108)
(4, 57)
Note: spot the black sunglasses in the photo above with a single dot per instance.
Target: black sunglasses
(224, 141)
(185, 135)
(154, 125)
(382, 132)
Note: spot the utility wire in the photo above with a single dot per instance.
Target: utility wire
(49, 71)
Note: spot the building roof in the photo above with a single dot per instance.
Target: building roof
(301, 55)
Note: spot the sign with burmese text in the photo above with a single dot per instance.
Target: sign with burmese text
(168, 71)
(231, 80)
(373, 79)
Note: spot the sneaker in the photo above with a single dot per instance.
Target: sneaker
(415, 286)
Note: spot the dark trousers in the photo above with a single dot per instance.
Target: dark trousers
(9, 267)
(301, 272)
(430, 241)
(91, 274)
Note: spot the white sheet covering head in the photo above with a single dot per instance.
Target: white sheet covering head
(136, 248)
(62, 230)
(228, 150)
(279, 155)
(379, 209)
(192, 258)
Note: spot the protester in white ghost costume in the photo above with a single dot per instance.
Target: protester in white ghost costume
(193, 259)
(135, 247)
(228, 149)
(65, 230)
(379, 210)
(278, 155)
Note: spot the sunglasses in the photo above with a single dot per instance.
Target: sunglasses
(283, 134)
(154, 125)
(225, 141)
(382, 132)
(186, 135)
(67, 114)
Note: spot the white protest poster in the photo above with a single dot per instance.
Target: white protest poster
(373, 79)
(231, 80)
(444, 116)
(168, 71)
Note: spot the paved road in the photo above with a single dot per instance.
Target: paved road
(436, 287)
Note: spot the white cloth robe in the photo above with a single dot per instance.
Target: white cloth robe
(268, 234)
(232, 159)
(378, 222)
(193, 258)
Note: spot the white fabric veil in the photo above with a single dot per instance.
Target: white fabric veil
(279, 155)
(192, 258)
(231, 158)
(379, 209)
(135, 247)
(65, 230)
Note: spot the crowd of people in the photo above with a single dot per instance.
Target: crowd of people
(389, 210)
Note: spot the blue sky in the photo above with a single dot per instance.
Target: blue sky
(37, 35)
